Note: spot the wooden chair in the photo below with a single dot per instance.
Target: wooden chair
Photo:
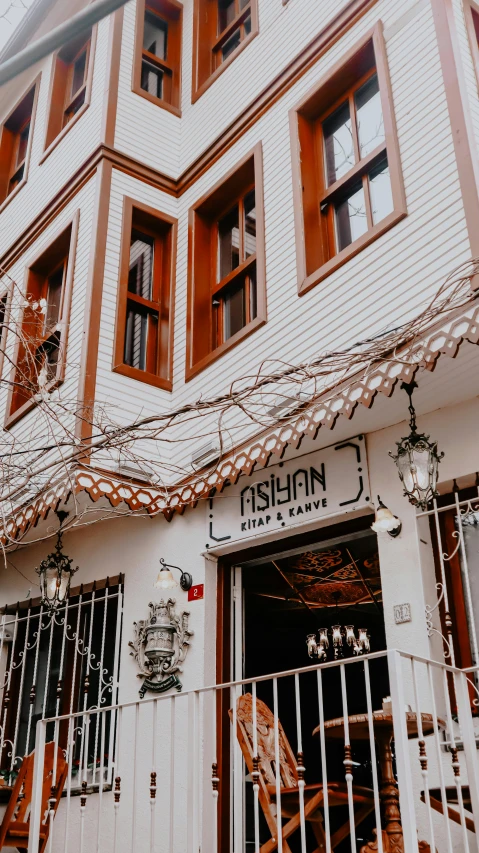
(16, 820)
(435, 801)
(289, 792)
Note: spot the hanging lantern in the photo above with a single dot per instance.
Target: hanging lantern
(56, 572)
(417, 460)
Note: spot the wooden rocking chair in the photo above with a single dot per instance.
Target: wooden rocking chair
(289, 792)
(16, 820)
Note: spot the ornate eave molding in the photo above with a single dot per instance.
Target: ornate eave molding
(360, 389)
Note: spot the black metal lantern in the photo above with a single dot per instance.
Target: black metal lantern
(56, 572)
(417, 460)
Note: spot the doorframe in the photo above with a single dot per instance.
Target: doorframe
(224, 650)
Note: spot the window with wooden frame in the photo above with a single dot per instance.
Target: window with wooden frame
(15, 145)
(144, 327)
(157, 66)
(41, 347)
(471, 17)
(221, 29)
(70, 88)
(348, 185)
(227, 279)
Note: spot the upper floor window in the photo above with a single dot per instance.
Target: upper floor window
(471, 17)
(70, 88)
(227, 283)
(351, 189)
(145, 296)
(222, 29)
(15, 145)
(156, 73)
(41, 346)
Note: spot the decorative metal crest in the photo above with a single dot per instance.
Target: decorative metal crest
(160, 646)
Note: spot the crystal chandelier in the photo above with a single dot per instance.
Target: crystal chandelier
(343, 640)
(417, 460)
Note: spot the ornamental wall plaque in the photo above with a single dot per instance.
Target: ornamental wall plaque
(160, 646)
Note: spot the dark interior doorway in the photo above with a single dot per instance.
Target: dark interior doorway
(285, 598)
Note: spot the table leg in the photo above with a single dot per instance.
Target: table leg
(392, 835)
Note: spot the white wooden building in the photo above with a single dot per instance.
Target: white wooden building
(208, 194)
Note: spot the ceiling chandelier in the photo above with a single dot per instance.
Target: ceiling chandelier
(55, 572)
(344, 642)
(417, 460)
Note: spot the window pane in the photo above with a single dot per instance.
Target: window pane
(54, 293)
(369, 116)
(247, 25)
(234, 313)
(380, 191)
(351, 221)
(250, 224)
(152, 79)
(228, 240)
(244, 4)
(252, 293)
(16, 178)
(230, 45)
(155, 35)
(78, 75)
(22, 144)
(338, 143)
(226, 14)
(135, 339)
(140, 277)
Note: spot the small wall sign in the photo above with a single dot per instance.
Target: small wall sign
(196, 592)
(402, 613)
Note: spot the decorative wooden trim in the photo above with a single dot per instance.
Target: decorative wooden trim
(93, 302)
(169, 225)
(36, 86)
(363, 389)
(194, 366)
(459, 115)
(13, 417)
(311, 242)
(172, 11)
(139, 170)
(53, 106)
(111, 94)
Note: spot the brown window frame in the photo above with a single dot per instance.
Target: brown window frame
(163, 229)
(208, 41)
(61, 250)
(59, 101)
(170, 11)
(22, 114)
(471, 17)
(313, 199)
(201, 347)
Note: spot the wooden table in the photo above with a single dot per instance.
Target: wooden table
(388, 790)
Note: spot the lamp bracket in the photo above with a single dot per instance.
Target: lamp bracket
(186, 580)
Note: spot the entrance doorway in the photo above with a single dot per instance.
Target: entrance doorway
(277, 600)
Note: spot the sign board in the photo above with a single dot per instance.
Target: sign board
(402, 613)
(197, 592)
(309, 487)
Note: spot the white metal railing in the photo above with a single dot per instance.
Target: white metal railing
(296, 761)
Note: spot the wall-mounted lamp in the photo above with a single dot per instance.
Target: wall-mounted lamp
(417, 460)
(165, 579)
(385, 521)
